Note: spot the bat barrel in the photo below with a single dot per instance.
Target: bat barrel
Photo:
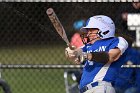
(57, 24)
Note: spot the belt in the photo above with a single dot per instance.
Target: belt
(89, 86)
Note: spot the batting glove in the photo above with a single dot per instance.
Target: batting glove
(76, 55)
(82, 57)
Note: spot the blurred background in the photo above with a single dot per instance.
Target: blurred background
(27, 36)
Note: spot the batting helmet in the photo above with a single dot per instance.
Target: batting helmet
(104, 23)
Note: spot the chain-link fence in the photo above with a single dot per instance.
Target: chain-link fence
(28, 37)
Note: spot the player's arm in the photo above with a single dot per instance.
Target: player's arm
(105, 57)
(102, 57)
(114, 53)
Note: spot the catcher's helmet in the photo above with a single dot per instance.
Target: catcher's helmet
(104, 23)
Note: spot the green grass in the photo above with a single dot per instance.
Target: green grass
(33, 55)
(34, 80)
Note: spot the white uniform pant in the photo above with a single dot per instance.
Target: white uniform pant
(102, 88)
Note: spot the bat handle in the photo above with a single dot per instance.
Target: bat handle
(71, 47)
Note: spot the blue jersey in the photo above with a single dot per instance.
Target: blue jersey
(126, 76)
(137, 72)
(129, 77)
(95, 71)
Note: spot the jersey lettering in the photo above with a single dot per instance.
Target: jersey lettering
(101, 48)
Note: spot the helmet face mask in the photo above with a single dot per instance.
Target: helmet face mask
(90, 35)
(103, 23)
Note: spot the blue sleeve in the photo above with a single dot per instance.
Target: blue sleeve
(120, 43)
(84, 48)
(114, 44)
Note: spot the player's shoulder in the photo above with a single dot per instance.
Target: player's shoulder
(110, 39)
(117, 40)
(123, 41)
(120, 40)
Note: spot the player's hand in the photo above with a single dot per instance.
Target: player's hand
(71, 55)
(82, 57)
(69, 52)
(76, 55)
